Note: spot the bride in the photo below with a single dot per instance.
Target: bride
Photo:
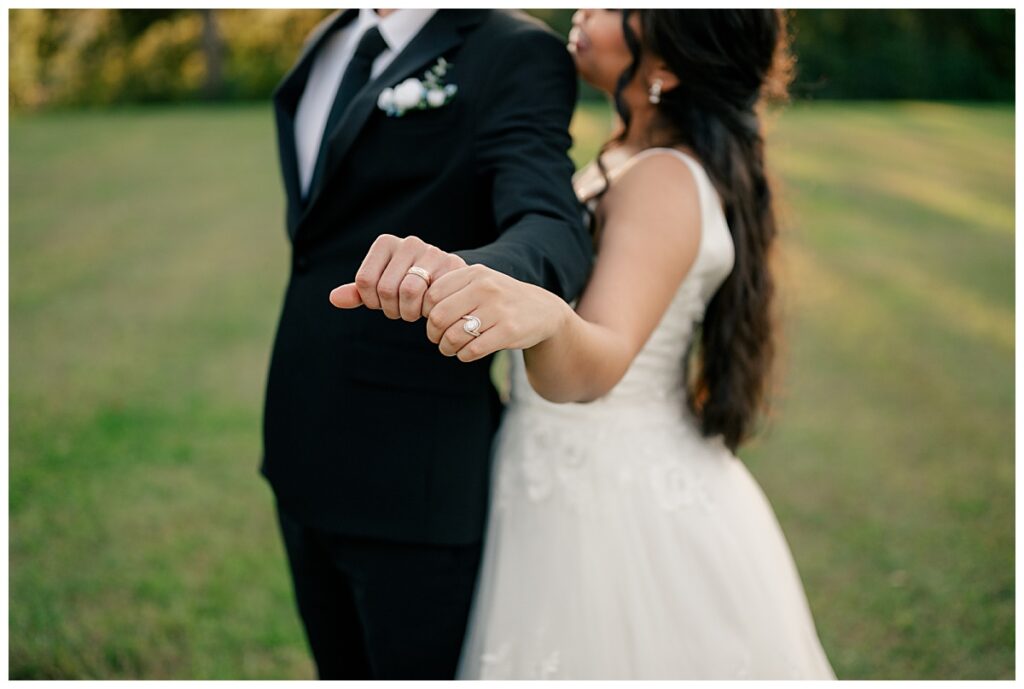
(626, 540)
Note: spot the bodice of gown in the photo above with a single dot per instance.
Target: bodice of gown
(654, 381)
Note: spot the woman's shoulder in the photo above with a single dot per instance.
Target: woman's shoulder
(665, 178)
(677, 166)
(687, 198)
(637, 169)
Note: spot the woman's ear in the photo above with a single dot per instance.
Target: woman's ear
(659, 71)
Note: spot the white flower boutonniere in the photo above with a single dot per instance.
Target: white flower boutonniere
(419, 94)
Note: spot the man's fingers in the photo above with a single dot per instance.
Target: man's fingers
(391, 280)
(410, 297)
(369, 273)
(346, 296)
(383, 282)
(413, 287)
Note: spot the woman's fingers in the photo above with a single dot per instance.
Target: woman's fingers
(455, 338)
(489, 342)
(448, 284)
(449, 313)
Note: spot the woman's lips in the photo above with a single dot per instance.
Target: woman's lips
(578, 40)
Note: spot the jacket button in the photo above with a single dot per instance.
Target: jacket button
(301, 264)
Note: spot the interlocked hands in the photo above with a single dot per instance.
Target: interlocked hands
(511, 314)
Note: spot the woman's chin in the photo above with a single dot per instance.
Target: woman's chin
(586, 76)
(581, 66)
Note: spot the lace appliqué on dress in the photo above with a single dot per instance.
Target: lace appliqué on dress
(497, 665)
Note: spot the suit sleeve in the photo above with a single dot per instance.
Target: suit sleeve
(522, 142)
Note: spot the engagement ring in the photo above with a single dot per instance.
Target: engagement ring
(472, 325)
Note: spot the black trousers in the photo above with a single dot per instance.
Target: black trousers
(377, 609)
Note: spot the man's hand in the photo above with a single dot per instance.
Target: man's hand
(383, 280)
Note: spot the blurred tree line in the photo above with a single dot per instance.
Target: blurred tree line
(103, 56)
(73, 57)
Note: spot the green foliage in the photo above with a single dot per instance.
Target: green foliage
(933, 54)
(98, 57)
(95, 57)
(559, 20)
(166, 61)
(261, 47)
(66, 57)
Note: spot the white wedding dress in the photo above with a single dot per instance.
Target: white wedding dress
(624, 545)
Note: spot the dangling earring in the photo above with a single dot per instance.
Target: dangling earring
(654, 94)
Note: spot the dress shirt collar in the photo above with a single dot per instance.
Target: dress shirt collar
(398, 28)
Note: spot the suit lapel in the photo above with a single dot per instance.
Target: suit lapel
(443, 32)
(286, 101)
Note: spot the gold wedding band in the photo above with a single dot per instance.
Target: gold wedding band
(472, 325)
(420, 272)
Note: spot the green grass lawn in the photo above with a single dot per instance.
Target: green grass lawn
(148, 259)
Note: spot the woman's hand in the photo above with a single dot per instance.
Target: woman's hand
(512, 314)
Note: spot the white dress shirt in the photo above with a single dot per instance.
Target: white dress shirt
(397, 29)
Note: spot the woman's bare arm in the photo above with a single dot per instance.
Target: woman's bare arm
(651, 233)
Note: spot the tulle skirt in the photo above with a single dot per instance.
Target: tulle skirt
(623, 545)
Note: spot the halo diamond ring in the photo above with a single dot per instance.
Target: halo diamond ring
(472, 325)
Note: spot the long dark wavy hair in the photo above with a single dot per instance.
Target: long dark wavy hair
(728, 62)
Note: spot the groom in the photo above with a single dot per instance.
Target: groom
(376, 446)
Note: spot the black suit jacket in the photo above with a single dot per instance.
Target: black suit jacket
(368, 429)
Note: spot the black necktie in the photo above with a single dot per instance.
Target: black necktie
(356, 75)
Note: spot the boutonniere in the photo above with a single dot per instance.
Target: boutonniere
(419, 94)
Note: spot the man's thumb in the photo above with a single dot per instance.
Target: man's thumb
(346, 296)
